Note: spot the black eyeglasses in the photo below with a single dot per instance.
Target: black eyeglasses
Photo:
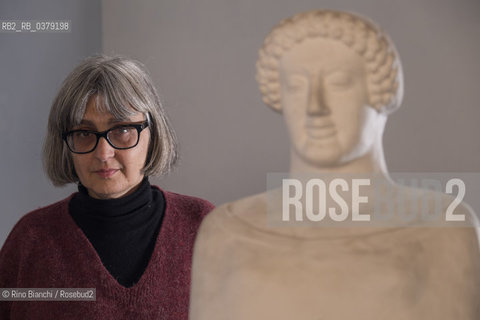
(120, 137)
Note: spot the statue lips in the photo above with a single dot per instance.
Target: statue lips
(320, 128)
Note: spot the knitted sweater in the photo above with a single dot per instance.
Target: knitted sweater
(46, 249)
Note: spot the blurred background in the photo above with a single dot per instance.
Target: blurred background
(201, 55)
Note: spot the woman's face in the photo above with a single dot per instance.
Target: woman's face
(106, 172)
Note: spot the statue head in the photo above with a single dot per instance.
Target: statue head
(335, 77)
(384, 71)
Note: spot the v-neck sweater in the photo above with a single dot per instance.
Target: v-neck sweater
(123, 231)
(46, 249)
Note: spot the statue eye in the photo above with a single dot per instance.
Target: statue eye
(339, 79)
(296, 82)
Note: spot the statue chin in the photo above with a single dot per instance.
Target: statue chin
(321, 155)
(325, 156)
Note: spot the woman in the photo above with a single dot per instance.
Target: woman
(131, 241)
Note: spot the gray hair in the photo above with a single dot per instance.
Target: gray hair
(384, 71)
(122, 87)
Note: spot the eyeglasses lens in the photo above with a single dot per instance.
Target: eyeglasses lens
(120, 138)
(124, 137)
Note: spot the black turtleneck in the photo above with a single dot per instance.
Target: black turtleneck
(123, 231)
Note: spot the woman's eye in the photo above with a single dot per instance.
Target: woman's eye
(122, 130)
(82, 134)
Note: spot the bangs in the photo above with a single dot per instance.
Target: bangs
(114, 92)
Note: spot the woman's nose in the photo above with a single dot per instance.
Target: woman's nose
(104, 150)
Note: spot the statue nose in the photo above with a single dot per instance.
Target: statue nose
(316, 104)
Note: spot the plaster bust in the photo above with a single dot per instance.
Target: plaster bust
(319, 60)
(335, 77)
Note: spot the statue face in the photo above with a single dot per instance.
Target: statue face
(325, 102)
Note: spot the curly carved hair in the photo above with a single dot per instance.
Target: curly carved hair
(384, 71)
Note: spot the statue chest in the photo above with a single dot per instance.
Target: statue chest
(351, 279)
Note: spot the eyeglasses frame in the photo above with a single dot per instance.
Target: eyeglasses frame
(138, 126)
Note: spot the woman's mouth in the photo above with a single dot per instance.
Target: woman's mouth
(106, 173)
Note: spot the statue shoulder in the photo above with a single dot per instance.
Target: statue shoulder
(453, 272)
(246, 211)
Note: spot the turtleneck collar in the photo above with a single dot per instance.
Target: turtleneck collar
(125, 214)
(116, 207)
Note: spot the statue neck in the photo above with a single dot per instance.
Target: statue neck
(372, 162)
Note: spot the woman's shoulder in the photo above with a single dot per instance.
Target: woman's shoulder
(32, 235)
(50, 216)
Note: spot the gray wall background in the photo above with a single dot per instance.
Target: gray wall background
(201, 55)
(32, 67)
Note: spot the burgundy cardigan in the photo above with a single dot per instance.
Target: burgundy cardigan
(46, 249)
